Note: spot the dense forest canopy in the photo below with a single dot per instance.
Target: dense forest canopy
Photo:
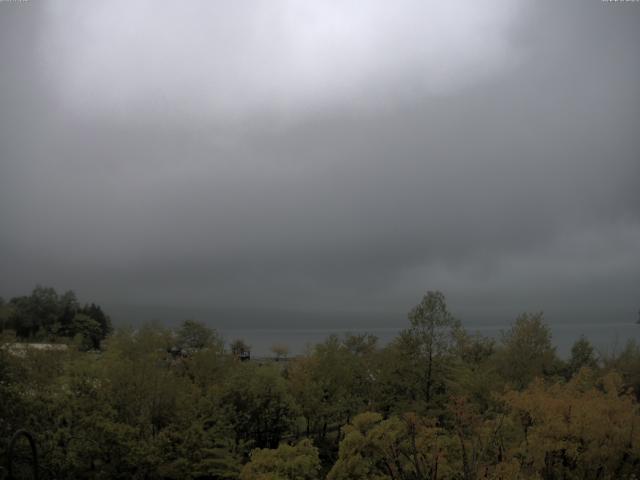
(435, 403)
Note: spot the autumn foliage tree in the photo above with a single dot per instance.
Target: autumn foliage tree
(586, 429)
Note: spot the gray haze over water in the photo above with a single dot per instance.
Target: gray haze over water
(322, 164)
(607, 339)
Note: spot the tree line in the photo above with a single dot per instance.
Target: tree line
(435, 403)
(46, 315)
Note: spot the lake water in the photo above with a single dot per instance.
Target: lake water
(606, 338)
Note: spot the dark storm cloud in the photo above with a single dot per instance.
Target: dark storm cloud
(324, 158)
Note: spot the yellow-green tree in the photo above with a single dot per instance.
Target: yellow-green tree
(287, 462)
(400, 447)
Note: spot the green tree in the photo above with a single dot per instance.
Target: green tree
(68, 308)
(420, 359)
(258, 403)
(36, 314)
(362, 344)
(5, 315)
(431, 337)
(199, 450)
(142, 387)
(193, 336)
(96, 312)
(526, 351)
(582, 355)
(475, 375)
(331, 384)
(87, 330)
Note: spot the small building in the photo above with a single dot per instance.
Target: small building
(241, 350)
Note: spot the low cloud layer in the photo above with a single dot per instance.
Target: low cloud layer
(324, 158)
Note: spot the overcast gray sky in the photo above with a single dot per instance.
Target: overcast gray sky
(324, 156)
